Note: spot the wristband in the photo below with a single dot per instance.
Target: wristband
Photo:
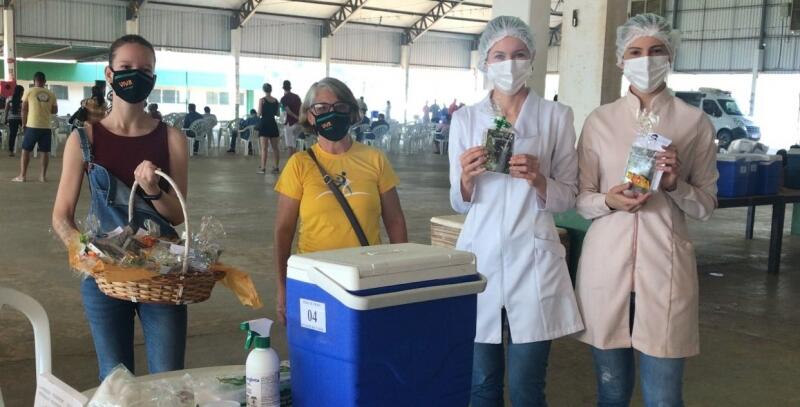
(153, 197)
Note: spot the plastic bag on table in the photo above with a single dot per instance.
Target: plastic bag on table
(121, 389)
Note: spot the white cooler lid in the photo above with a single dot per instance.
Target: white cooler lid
(364, 268)
(729, 158)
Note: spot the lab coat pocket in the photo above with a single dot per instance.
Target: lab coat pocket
(683, 316)
(558, 306)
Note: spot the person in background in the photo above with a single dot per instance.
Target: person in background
(443, 130)
(509, 225)
(452, 108)
(38, 104)
(363, 174)
(555, 98)
(388, 110)
(126, 146)
(152, 110)
(380, 122)
(362, 105)
(435, 111)
(268, 109)
(14, 117)
(96, 106)
(637, 276)
(362, 127)
(426, 113)
(191, 117)
(212, 118)
(291, 104)
(244, 132)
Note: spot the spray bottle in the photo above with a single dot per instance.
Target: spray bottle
(262, 369)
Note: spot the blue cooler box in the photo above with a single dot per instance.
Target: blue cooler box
(733, 172)
(793, 169)
(753, 160)
(769, 175)
(382, 326)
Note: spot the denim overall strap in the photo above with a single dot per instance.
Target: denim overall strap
(86, 147)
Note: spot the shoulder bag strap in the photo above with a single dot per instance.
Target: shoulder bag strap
(86, 147)
(348, 211)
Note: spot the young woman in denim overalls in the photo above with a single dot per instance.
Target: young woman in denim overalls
(126, 146)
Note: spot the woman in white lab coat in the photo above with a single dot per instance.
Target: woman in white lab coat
(509, 224)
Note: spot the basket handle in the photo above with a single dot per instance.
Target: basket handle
(160, 173)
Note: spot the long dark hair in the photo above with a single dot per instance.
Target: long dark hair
(97, 95)
(16, 99)
(18, 91)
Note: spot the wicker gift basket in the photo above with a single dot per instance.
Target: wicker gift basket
(185, 287)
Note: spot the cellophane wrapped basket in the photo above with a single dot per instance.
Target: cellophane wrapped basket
(140, 267)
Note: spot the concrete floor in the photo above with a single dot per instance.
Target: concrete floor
(750, 327)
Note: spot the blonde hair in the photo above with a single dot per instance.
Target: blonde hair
(342, 93)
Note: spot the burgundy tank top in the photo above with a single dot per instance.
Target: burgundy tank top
(121, 155)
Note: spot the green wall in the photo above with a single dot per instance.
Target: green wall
(89, 72)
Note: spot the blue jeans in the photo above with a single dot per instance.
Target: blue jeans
(111, 323)
(661, 378)
(527, 368)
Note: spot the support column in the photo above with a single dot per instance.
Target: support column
(474, 58)
(405, 63)
(325, 54)
(9, 45)
(132, 26)
(537, 14)
(236, 50)
(589, 75)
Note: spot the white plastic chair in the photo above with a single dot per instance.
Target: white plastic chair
(200, 130)
(41, 326)
(380, 133)
(253, 132)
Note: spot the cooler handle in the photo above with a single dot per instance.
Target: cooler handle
(369, 302)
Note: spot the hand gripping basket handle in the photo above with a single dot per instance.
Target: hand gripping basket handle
(185, 256)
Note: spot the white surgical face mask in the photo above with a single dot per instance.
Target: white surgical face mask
(509, 76)
(647, 73)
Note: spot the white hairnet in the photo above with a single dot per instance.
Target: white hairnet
(646, 25)
(499, 28)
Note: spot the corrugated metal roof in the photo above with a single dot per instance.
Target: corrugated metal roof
(722, 36)
(172, 27)
(85, 20)
(440, 50)
(364, 44)
(265, 35)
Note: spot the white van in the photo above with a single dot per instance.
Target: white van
(728, 120)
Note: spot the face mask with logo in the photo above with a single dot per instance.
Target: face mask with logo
(132, 85)
(332, 125)
(647, 73)
(509, 76)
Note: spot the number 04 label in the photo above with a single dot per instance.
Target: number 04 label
(312, 315)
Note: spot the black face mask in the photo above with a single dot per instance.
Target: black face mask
(132, 85)
(332, 125)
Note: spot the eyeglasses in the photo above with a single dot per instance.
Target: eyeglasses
(321, 108)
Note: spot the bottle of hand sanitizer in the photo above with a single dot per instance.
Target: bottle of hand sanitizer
(262, 369)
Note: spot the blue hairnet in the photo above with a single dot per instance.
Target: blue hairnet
(646, 25)
(499, 28)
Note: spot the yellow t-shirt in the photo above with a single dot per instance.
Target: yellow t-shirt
(40, 107)
(362, 173)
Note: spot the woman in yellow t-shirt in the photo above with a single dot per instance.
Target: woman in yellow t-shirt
(363, 174)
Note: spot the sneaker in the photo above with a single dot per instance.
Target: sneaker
(261, 171)
(231, 151)
(276, 170)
